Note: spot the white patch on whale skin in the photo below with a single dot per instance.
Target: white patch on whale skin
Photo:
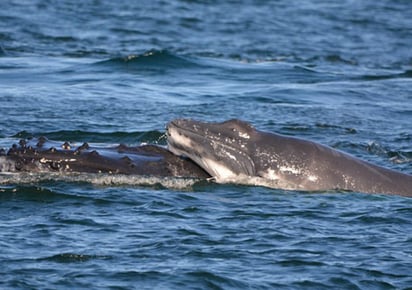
(44, 160)
(231, 156)
(288, 169)
(244, 135)
(270, 174)
(175, 137)
(220, 172)
(313, 178)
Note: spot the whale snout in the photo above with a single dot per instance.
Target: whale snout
(219, 148)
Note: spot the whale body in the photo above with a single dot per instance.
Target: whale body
(235, 152)
(43, 156)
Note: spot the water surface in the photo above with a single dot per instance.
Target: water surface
(106, 72)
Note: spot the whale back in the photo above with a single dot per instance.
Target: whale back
(42, 155)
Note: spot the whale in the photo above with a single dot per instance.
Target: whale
(40, 155)
(236, 152)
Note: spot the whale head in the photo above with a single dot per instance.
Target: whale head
(221, 149)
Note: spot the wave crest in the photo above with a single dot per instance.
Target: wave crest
(149, 60)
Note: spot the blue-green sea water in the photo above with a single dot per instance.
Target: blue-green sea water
(109, 72)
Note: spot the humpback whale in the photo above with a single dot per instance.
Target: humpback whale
(43, 156)
(228, 152)
(235, 152)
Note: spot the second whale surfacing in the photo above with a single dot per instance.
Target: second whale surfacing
(235, 152)
(41, 159)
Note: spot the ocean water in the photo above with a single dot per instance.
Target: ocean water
(109, 72)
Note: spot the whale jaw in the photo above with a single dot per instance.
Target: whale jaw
(225, 159)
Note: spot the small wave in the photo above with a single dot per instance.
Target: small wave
(216, 280)
(387, 76)
(9, 190)
(162, 61)
(344, 129)
(150, 60)
(72, 258)
(395, 156)
(2, 51)
(359, 148)
(100, 179)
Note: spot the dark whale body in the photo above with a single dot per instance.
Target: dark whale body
(42, 155)
(235, 152)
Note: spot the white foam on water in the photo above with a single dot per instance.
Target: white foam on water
(103, 179)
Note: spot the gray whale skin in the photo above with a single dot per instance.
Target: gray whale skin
(235, 152)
